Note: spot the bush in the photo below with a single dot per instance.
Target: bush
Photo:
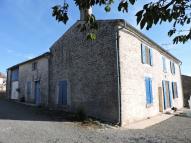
(81, 115)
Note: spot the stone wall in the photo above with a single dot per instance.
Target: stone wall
(90, 69)
(133, 73)
(186, 84)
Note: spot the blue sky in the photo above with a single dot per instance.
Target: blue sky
(27, 29)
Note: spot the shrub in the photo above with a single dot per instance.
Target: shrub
(81, 115)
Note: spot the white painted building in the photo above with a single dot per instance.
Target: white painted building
(2, 82)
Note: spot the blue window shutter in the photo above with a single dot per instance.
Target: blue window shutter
(15, 75)
(164, 93)
(174, 69)
(62, 99)
(173, 89)
(151, 56)
(176, 90)
(151, 92)
(147, 86)
(170, 93)
(29, 88)
(164, 64)
(143, 54)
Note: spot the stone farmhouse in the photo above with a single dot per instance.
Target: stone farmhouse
(121, 77)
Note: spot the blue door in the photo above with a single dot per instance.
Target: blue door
(62, 98)
(37, 93)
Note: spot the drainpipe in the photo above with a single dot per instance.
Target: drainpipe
(181, 83)
(118, 73)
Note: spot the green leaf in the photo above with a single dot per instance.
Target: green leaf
(91, 36)
(188, 21)
(142, 23)
(107, 8)
(139, 16)
(132, 2)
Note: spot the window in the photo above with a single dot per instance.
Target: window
(28, 88)
(167, 94)
(149, 94)
(34, 66)
(174, 90)
(172, 67)
(15, 75)
(146, 55)
(164, 64)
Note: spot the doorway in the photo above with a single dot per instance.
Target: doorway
(62, 97)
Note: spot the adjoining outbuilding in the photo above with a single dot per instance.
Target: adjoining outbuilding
(121, 77)
(29, 81)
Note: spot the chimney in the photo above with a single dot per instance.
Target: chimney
(84, 13)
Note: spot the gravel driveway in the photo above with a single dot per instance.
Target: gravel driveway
(23, 124)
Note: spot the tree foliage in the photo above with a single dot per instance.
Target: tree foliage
(177, 12)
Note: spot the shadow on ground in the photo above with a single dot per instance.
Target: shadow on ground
(15, 111)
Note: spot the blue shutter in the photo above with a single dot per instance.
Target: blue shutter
(28, 88)
(143, 54)
(164, 93)
(176, 90)
(151, 92)
(170, 93)
(15, 75)
(164, 64)
(62, 98)
(173, 89)
(151, 56)
(147, 86)
(174, 69)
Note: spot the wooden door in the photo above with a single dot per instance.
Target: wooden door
(37, 93)
(62, 97)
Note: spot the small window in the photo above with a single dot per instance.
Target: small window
(164, 64)
(148, 87)
(34, 66)
(174, 90)
(146, 55)
(172, 67)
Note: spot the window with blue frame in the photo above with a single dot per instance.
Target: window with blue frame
(174, 90)
(164, 64)
(172, 67)
(167, 94)
(15, 74)
(149, 93)
(146, 55)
